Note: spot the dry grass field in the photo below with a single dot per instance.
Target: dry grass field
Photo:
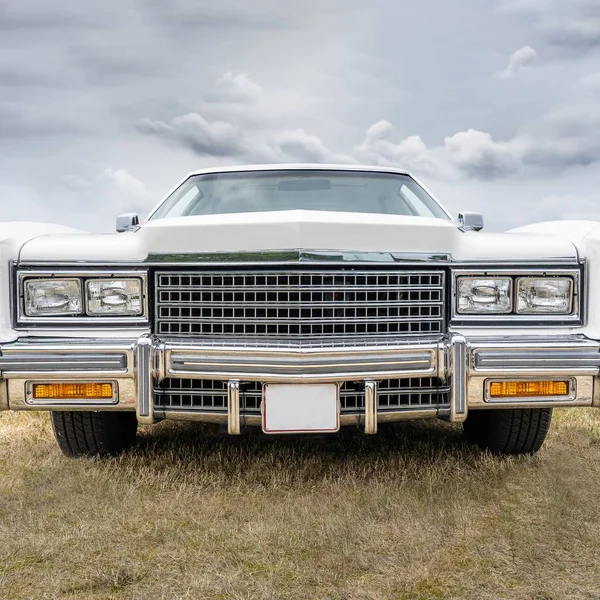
(414, 513)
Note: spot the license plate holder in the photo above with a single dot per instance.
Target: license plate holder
(301, 408)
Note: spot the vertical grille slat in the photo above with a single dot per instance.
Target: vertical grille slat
(299, 304)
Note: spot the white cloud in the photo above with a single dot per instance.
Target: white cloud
(119, 178)
(112, 191)
(552, 144)
(518, 60)
(126, 182)
(235, 89)
(300, 146)
(410, 153)
(476, 154)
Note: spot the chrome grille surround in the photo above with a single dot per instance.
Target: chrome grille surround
(299, 304)
(209, 395)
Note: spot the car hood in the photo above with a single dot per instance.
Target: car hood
(295, 230)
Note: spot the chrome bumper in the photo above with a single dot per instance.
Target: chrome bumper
(136, 366)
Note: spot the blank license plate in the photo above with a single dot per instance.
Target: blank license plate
(300, 408)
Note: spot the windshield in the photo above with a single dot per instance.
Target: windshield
(259, 191)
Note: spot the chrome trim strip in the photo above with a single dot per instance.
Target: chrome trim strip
(298, 257)
(345, 419)
(233, 407)
(144, 380)
(371, 407)
(577, 356)
(24, 363)
(285, 364)
(536, 358)
(459, 369)
(65, 358)
(293, 256)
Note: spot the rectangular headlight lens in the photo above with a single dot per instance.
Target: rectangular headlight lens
(549, 295)
(47, 297)
(484, 295)
(114, 297)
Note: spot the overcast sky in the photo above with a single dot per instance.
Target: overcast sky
(104, 106)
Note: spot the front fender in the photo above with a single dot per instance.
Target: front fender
(585, 236)
(12, 237)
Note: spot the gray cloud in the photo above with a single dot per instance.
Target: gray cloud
(562, 139)
(226, 140)
(193, 131)
(570, 23)
(156, 88)
(553, 143)
(235, 140)
(18, 15)
(12, 76)
(23, 120)
(227, 14)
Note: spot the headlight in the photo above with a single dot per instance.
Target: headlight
(114, 297)
(484, 295)
(46, 297)
(544, 296)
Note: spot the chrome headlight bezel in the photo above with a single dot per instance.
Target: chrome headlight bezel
(84, 318)
(538, 319)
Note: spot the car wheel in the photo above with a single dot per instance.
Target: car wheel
(509, 431)
(86, 434)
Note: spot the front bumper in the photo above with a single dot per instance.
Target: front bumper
(136, 366)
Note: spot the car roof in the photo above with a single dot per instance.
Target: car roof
(300, 167)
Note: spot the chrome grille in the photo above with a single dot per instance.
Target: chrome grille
(207, 395)
(395, 394)
(300, 304)
(204, 395)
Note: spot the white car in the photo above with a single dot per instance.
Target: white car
(299, 299)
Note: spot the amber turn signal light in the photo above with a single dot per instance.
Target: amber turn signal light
(527, 389)
(72, 391)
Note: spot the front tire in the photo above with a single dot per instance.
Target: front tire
(509, 431)
(87, 434)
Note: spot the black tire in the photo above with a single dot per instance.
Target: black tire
(509, 431)
(87, 434)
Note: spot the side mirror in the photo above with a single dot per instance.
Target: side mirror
(471, 221)
(127, 221)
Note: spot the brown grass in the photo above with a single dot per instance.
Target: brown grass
(413, 513)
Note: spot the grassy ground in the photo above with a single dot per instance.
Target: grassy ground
(413, 513)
